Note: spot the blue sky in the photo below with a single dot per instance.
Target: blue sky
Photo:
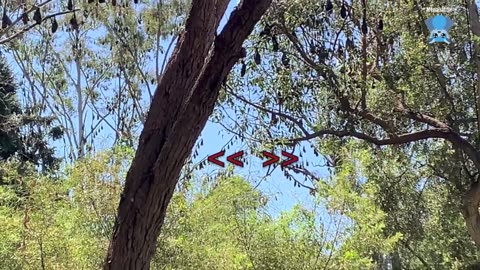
(276, 185)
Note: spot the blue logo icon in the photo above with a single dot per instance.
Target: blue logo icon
(438, 27)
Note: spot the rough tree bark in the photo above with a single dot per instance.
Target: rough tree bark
(182, 103)
(471, 199)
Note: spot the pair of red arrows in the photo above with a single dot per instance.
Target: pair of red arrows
(272, 158)
(232, 158)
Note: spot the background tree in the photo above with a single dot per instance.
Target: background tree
(95, 68)
(23, 134)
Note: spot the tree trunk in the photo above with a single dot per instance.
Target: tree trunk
(471, 198)
(182, 103)
(471, 201)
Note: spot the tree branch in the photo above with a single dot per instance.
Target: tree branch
(283, 115)
(423, 118)
(17, 34)
(399, 139)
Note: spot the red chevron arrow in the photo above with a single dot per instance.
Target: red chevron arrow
(213, 158)
(272, 158)
(233, 159)
(292, 159)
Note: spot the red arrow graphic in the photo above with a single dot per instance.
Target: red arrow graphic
(233, 159)
(292, 159)
(213, 158)
(272, 158)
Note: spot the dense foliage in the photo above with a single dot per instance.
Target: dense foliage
(213, 223)
(343, 76)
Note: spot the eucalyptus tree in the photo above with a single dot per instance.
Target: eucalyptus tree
(68, 75)
(331, 72)
(182, 103)
(94, 68)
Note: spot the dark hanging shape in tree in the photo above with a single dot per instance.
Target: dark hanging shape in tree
(312, 20)
(70, 5)
(6, 22)
(25, 18)
(285, 60)
(243, 70)
(364, 27)
(275, 44)
(266, 31)
(114, 2)
(54, 25)
(135, 1)
(257, 57)
(380, 25)
(73, 22)
(391, 41)
(274, 119)
(101, 1)
(328, 6)
(90, 1)
(340, 50)
(37, 16)
(349, 44)
(343, 11)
